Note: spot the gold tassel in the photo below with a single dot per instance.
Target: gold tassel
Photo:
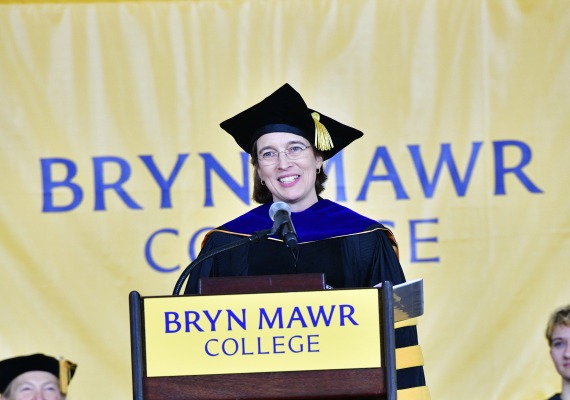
(323, 140)
(66, 370)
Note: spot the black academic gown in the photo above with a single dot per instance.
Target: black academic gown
(350, 249)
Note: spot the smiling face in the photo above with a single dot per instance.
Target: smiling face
(560, 350)
(34, 385)
(291, 181)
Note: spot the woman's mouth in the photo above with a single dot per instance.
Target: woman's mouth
(288, 179)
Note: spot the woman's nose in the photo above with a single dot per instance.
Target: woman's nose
(283, 159)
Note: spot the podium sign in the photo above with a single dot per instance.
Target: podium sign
(262, 332)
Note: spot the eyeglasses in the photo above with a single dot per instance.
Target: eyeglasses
(294, 152)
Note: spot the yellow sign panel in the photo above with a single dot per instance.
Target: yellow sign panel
(265, 332)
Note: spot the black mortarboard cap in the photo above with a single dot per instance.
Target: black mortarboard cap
(11, 368)
(285, 111)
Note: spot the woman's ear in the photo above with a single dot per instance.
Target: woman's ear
(319, 162)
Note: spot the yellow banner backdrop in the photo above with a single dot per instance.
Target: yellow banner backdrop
(113, 164)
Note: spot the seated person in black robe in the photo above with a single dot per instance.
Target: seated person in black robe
(35, 376)
(288, 143)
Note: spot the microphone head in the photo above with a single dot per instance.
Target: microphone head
(278, 206)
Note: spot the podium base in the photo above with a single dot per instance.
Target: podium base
(339, 384)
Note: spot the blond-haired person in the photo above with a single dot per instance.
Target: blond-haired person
(558, 336)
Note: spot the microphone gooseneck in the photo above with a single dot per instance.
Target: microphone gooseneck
(254, 238)
(280, 214)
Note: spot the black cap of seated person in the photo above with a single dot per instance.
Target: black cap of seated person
(285, 111)
(61, 368)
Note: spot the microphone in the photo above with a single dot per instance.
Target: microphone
(280, 214)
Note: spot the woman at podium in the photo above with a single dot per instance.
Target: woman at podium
(288, 144)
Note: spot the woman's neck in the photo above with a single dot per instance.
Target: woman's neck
(302, 205)
(565, 394)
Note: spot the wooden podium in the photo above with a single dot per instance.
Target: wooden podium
(361, 383)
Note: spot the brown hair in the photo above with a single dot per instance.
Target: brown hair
(560, 316)
(262, 195)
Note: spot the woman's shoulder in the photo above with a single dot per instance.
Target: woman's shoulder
(555, 397)
(253, 220)
(335, 212)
